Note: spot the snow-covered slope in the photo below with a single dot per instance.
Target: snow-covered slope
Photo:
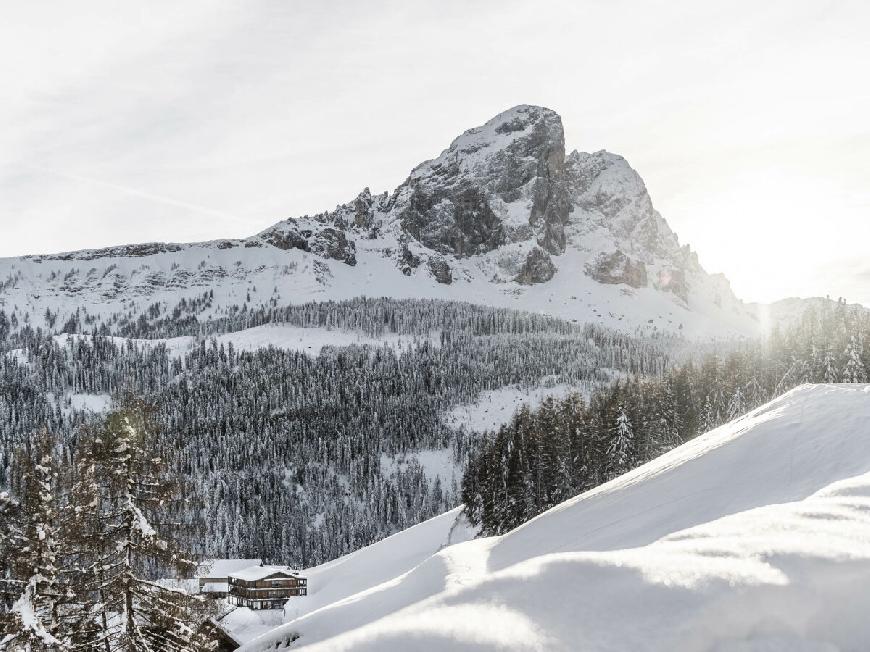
(755, 536)
(502, 217)
(333, 582)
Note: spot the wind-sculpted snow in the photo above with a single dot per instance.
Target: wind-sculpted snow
(755, 536)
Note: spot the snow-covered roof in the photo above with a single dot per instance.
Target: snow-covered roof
(216, 587)
(254, 573)
(224, 567)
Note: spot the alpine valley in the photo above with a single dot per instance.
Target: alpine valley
(324, 383)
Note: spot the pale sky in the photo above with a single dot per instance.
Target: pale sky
(183, 121)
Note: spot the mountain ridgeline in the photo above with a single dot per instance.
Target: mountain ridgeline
(502, 217)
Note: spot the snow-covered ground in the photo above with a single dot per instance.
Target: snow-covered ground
(381, 562)
(752, 537)
(436, 463)
(494, 408)
(280, 336)
(244, 624)
(95, 403)
(310, 340)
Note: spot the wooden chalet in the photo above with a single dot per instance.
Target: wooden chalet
(265, 587)
(213, 575)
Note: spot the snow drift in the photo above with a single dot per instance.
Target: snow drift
(754, 536)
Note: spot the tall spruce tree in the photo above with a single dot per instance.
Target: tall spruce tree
(854, 371)
(121, 495)
(35, 622)
(619, 451)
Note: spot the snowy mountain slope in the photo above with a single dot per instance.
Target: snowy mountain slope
(755, 536)
(340, 579)
(502, 217)
(381, 562)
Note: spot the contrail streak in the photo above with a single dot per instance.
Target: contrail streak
(160, 199)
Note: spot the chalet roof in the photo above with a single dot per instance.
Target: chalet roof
(254, 573)
(224, 567)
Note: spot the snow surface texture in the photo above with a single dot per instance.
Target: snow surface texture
(754, 536)
(380, 562)
(479, 211)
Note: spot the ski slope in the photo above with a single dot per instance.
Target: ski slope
(753, 537)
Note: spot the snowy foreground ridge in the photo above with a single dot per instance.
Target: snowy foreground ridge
(755, 536)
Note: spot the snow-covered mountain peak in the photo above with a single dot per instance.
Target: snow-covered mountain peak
(501, 217)
(498, 183)
(535, 130)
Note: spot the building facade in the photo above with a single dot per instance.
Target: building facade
(265, 587)
(213, 575)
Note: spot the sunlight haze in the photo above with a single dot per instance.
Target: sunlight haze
(131, 122)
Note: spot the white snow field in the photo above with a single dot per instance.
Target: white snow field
(753, 537)
(310, 340)
(496, 407)
(383, 561)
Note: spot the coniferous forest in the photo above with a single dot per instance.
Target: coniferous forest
(285, 455)
(288, 450)
(566, 447)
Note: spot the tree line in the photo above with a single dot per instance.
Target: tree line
(545, 456)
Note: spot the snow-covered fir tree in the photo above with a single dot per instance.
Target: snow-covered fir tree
(122, 486)
(854, 370)
(35, 623)
(620, 448)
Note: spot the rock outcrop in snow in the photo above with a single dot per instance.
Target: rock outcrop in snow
(502, 217)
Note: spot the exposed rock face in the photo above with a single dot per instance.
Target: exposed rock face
(362, 210)
(441, 270)
(538, 268)
(493, 184)
(131, 251)
(326, 241)
(288, 238)
(461, 223)
(333, 243)
(616, 267)
(674, 280)
(408, 262)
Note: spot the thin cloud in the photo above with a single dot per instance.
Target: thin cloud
(136, 192)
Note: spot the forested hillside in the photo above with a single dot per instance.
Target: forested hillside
(289, 451)
(567, 447)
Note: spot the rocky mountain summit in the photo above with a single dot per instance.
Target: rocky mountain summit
(509, 186)
(503, 216)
